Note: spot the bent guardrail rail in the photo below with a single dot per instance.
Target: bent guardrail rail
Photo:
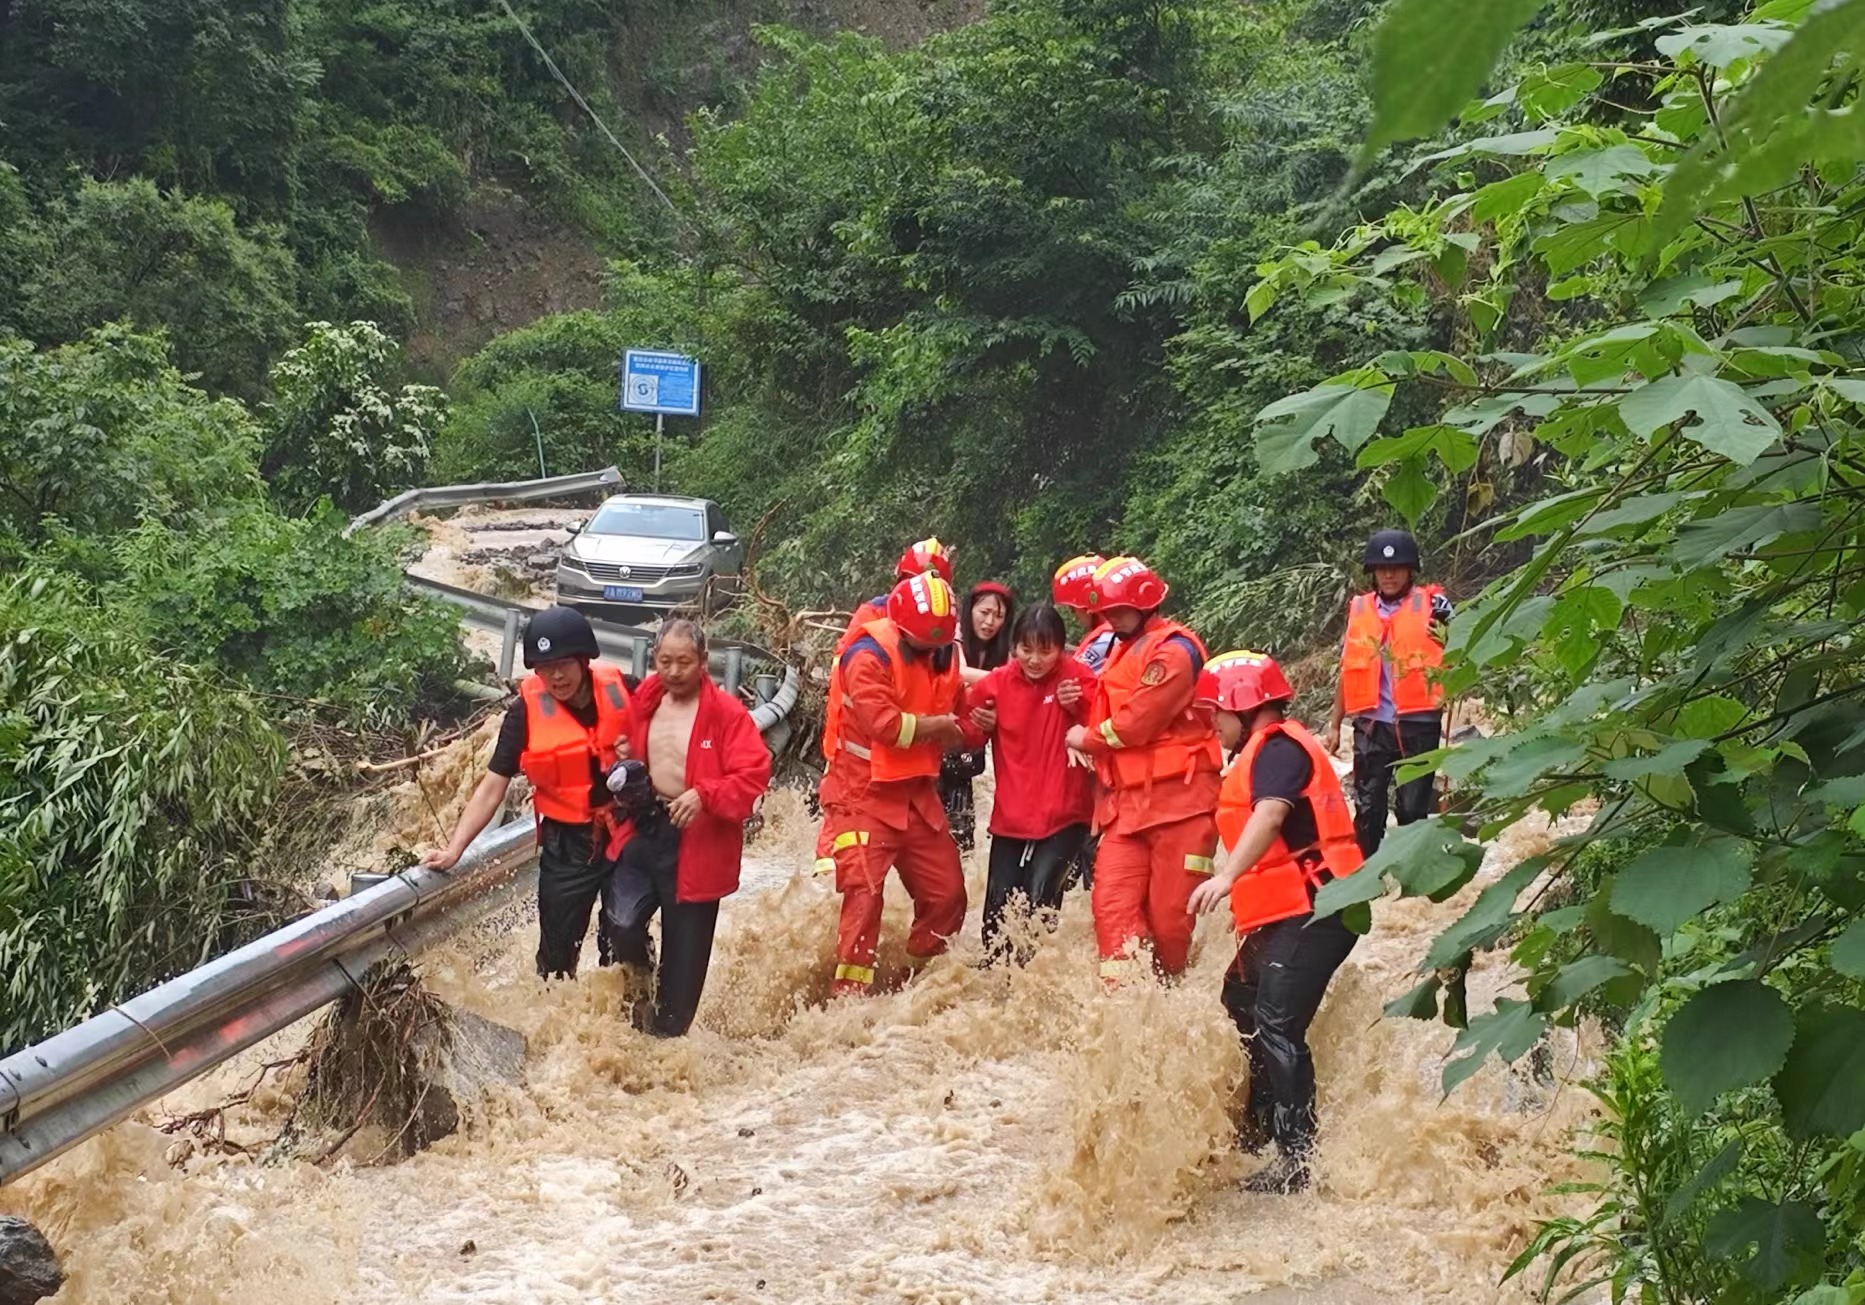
(625, 645)
(58, 1092)
(608, 479)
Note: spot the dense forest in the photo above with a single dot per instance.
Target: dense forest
(1571, 288)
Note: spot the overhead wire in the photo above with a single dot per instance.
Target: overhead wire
(594, 117)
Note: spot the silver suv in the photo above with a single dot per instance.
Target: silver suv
(655, 551)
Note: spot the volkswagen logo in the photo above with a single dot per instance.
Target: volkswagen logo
(624, 572)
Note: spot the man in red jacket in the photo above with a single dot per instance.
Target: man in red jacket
(1044, 802)
(681, 855)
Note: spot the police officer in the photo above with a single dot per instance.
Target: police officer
(1395, 640)
(566, 731)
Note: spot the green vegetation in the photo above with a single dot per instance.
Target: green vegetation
(1661, 305)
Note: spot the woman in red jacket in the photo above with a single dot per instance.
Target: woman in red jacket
(681, 854)
(1044, 801)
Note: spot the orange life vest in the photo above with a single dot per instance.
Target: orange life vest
(1186, 746)
(1403, 639)
(558, 748)
(1281, 885)
(872, 609)
(920, 691)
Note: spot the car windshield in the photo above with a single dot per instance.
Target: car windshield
(649, 521)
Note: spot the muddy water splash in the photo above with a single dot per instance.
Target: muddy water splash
(974, 1135)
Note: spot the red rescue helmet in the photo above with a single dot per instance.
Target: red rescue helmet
(927, 555)
(1070, 586)
(925, 610)
(1247, 680)
(1124, 582)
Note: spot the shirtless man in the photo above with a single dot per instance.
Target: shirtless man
(708, 767)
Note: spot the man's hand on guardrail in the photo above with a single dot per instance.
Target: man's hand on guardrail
(441, 858)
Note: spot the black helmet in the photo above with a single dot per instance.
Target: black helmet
(559, 632)
(1391, 548)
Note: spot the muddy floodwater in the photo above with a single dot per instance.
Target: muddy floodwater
(975, 1136)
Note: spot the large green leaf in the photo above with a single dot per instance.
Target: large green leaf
(1668, 761)
(1527, 761)
(1598, 171)
(1821, 1088)
(1509, 1031)
(1725, 1037)
(1720, 45)
(1409, 490)
(1578, 979)
(1429, 59)
(1338, 894)
(1427, 857)
(1727, 420)
(1666, 886)
(1289, 427)
(1847, 954)
(1789, 1241)
(1710, 539)
(1487, 918)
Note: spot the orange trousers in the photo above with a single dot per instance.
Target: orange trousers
(1142, 881)
(928, 862)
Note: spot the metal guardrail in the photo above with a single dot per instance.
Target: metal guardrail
(625, 645)
(608, 479)
(76, 1083)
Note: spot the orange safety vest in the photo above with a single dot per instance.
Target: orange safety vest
(832, 716)
(1186, 746)
(919, 690)
(1281, 885)
(1404, 639)
(558, 748)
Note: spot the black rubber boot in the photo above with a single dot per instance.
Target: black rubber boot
(1286, 1175)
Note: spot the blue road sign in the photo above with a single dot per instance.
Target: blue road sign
(654, 380)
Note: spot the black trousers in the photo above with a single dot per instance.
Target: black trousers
(1272, 991)
(652, 858)
(1035, 870)
(1378, 746)
(570, 873)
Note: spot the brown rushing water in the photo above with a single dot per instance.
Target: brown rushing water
(977, 1136)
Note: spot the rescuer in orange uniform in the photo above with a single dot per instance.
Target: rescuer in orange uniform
(566, 731)
(928, 555)
(1069, 591)
(1395, 639)
(894, 698)
(1156, 755)
(1285, 822)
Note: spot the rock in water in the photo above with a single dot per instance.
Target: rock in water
(29, 1269)
(455, 1067)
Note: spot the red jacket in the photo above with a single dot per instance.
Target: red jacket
(726, 760)
(1038, 792)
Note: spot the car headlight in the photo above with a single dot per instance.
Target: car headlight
(684, 572)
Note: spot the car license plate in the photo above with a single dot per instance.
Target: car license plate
(622, 593)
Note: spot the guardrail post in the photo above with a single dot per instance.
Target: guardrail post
(510, 646)
(640, 647)
(734, 669)
(764, 686)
